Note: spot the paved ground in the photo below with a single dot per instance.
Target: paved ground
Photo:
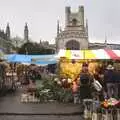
(16, 110)
(40, 118)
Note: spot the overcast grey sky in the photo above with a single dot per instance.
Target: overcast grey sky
(41, 15)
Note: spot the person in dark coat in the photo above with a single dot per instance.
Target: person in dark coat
(85, 83)
(99, 76)
(110, 78)
(117, 82)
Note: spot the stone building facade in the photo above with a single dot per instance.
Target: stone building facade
(104, 46)
(75, 34)
(5, 40)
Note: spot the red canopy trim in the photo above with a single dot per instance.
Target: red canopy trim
(112, 54)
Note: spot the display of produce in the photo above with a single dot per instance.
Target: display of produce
(71, 69)
(112, 102)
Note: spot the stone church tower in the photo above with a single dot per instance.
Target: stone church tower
(75, 34)
(26, 33)
(8, 31)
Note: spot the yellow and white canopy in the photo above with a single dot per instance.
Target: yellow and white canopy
(90, 54)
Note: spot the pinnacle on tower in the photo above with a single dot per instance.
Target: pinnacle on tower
(86, 23)
(105, 41)
(26, 32)
(8, 31)
(58, 28)
(105, 38)
(81, 12)
(86, 27)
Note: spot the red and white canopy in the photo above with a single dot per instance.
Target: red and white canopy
(90, 54)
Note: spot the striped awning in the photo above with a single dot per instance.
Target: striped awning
(90, 54)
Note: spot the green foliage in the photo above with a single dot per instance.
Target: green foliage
(34, 49)
(50, 90)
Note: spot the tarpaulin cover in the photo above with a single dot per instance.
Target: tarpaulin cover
(31, 59)
(90, 54)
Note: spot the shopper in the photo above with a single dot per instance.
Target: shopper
(85, 83)
(110, 79)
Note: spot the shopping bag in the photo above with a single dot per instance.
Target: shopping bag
(97, 85)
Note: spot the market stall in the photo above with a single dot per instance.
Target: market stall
(71, 60)
(90, 54)
(70, 67)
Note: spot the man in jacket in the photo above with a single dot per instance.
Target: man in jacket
(110, 78)
(85, 83)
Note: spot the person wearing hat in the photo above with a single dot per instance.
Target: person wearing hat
(110, 79)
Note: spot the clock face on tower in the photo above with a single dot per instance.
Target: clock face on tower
(73, 45)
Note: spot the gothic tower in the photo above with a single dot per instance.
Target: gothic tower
(75, 34)
(8, 31)
(26, 33)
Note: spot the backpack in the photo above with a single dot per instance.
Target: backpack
(85, 78)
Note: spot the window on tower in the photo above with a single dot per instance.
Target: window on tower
(74, 22)
(72, 45)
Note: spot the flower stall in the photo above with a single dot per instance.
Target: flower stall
(71, 65)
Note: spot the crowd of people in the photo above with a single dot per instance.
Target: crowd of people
(83, 86)
(108, 77)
